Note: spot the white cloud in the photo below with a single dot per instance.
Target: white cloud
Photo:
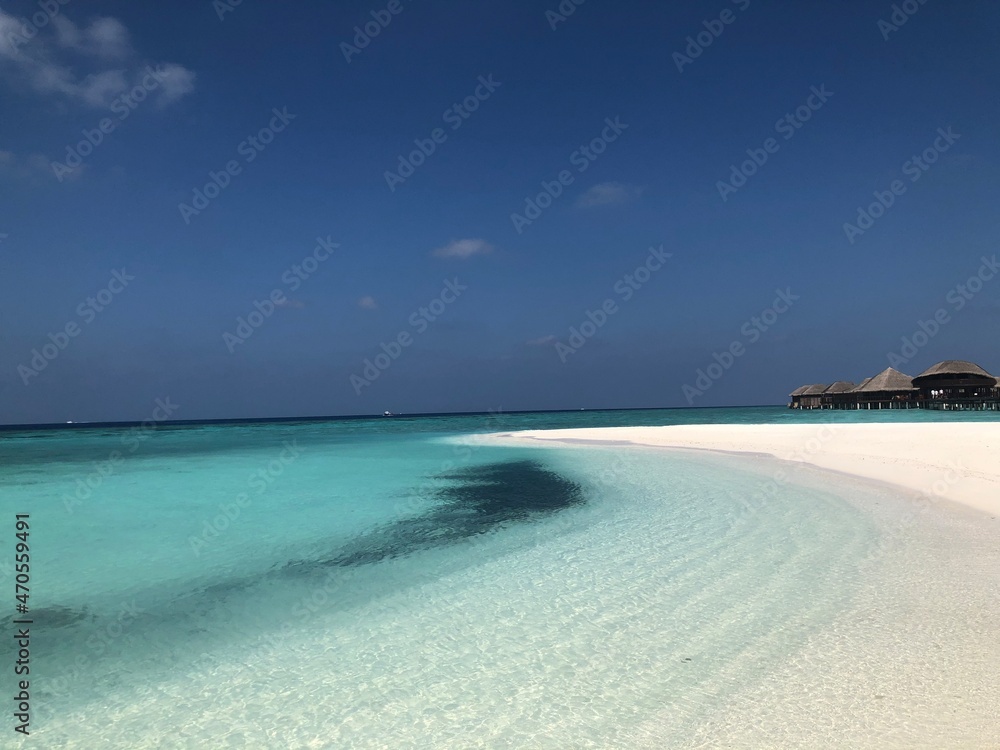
(10, 33)
(33, 168)
(463, 249)
(608, 193)
(543, 341)
(368, 303)
(91, 65)
(175, 82)
(105, 37)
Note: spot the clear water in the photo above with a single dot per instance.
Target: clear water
(402, 583)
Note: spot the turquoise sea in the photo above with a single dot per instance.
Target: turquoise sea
(402, 582)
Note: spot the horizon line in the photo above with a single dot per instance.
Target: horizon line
(10, 427)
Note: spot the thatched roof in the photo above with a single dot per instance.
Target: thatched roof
(841, 386)
(860, 387)
(799, 391)
(955, 367)
(888, 380)
(814, 390)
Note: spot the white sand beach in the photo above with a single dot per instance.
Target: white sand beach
(957, 461)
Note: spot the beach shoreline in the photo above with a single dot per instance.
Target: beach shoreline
(953, 462)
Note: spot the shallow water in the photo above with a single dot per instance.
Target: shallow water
(398, 583)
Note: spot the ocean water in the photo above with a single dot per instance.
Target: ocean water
(396, 583)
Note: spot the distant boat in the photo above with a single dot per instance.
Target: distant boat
(388, 414)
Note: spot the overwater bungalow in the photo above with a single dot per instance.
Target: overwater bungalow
(953, 384)
(808, 396)
(796, 397)
(890, 389)
(956, 384)
(835, 394)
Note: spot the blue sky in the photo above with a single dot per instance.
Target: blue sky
(183, 94)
